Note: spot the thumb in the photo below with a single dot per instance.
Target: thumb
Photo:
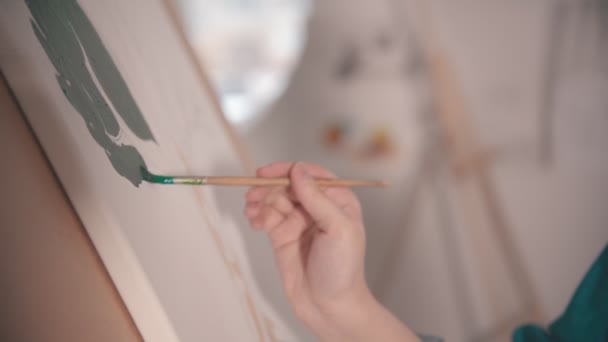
(321, 209)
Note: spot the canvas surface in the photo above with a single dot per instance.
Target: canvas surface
(108, 88)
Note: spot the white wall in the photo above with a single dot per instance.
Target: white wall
(498, 50)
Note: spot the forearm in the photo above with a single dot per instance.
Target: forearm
(362, 320)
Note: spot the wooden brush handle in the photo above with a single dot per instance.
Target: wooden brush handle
(282, 181)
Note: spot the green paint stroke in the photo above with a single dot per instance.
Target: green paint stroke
(152, 178)
(71, 42)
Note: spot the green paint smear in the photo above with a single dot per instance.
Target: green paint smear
(152, 178)
(70, 42)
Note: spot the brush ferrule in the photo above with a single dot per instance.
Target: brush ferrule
(190, 180)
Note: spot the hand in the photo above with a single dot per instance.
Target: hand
(317, 236)
(318, 239)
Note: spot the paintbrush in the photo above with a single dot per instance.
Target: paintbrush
(253, 181)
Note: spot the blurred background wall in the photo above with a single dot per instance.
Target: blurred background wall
(488, 118)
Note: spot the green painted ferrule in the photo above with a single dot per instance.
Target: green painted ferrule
(158, 179)
(152, 178)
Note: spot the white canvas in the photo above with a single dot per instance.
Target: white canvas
(175, 254)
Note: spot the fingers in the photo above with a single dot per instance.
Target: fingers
(259, 193)
(343, 198)
(281, 169)
(322, 210)
(290, 230)
(282, 229)
(252, 210)
(346, 200)
(267, 212)
(322, 205)
(268, 219)
(265, 209)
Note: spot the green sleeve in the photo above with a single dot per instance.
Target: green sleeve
(585, 318)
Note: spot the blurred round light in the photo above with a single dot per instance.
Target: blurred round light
(249, 49)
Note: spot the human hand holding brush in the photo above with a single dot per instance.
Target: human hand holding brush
(318, 239)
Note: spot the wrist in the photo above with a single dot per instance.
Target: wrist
(360, 317)
(343, 317)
